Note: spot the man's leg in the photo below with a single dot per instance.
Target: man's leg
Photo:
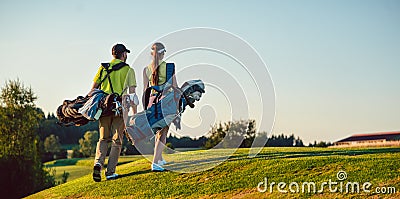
(117, 128)
(104, 138)
(102, 147)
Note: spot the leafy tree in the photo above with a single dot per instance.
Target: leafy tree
(250, 133)
(88, 143)
(76, 153)
(52, 149)
(216, 135)
(298, 142)
(22, 170)
(236, 133)
(186, 142)
(320, 144)
(52, 144)
(66, 135)
(283, 141)
(231, 134)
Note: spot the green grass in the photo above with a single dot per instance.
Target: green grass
(239, 176)
(78, 167)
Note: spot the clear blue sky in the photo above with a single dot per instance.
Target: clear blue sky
(335, 64)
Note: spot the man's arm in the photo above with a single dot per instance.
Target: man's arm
(95, 85)
(132, 91)
(97, 79)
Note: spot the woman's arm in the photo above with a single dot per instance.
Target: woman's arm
(145, 81)
(174, 83)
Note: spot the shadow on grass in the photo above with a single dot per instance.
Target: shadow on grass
(83, 162)
(134, 173)
(188, 166)
(205, 162)
(328, 152)
(64, 162)
(124, 162)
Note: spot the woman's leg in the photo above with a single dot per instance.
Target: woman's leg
(161, 138)
(164, 140)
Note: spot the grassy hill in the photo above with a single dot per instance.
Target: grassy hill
(239, 176)
(78, 167)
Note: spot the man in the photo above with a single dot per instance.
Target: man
(112, 127)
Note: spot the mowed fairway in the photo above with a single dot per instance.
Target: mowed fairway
(78, 167)
(239, 176)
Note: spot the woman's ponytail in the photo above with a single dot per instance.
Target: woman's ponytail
(155, 64)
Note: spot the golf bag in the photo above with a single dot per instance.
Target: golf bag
(97, 103)
(163, 105)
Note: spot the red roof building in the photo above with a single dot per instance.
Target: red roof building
(373, 139)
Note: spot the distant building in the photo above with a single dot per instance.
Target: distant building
(370, 140)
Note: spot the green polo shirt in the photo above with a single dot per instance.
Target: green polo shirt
(120, 79)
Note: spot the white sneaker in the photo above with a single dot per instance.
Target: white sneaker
(112, 177)
(156, 167)
(162, 162)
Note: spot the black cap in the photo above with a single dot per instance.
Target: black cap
(119, 48)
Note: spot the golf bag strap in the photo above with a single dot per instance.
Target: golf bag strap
(114, 68)
(156, 100)
(147, 94)
(109, 80)
(170, 72)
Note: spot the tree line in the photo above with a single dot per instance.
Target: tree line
(230, 134)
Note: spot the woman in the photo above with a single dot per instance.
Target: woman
(154, 75)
